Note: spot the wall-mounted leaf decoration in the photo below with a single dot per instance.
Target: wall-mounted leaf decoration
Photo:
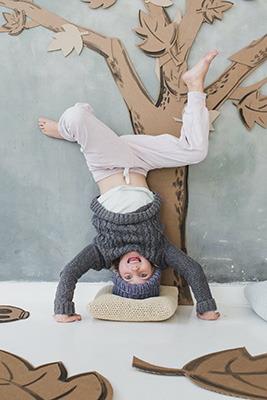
(213, 114)
(232, 372)
(68, 40)
(11, 313)
(99, 3)
(15, 22)
(20, 380)
(158, 37)
(213, 9)
(253, 108)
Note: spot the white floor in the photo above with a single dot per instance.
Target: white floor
(108, 347)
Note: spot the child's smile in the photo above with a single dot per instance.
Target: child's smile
(134, 268)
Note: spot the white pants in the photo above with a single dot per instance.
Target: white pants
(107, 154)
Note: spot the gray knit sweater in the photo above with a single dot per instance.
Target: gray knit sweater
(118, 234)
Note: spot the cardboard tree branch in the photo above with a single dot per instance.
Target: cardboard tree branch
(231, 372)
(169, 43)
(243, 63)
(21, 380)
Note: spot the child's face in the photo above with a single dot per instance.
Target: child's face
(135, 269)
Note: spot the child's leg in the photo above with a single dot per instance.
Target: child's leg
(49, 128)
(105, 154)
(165, 150)
(194, 78)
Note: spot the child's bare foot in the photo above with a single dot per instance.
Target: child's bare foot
(49, 128)
(67, 318)
(209, 315)
(194, 77)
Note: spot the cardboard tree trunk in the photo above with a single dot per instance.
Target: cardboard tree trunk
(169, 42)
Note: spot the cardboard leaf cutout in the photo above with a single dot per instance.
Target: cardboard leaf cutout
(15, 22)
(213, 114)
(20, 380)
(160, 3)
(10, 313)
(253, 108)
(213, 9)
(99, 3)
(158, 37)
(178, 17)
(68, 40)
(232, 372)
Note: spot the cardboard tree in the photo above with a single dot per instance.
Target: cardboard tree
(169, 42)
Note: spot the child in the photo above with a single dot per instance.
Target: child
(126, 215)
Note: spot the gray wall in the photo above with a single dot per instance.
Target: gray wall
(46, 188)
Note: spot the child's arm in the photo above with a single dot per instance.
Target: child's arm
(88, 258)
(194, 274)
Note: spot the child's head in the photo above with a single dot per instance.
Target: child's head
(136, 277)
(135, 269)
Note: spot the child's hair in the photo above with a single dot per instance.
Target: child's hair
(149, 288)
(115, 263)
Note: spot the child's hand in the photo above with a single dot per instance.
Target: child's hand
(67, 318)
(209, 315)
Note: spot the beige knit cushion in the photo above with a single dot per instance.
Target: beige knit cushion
(115, 308)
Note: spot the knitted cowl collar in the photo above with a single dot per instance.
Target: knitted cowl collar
(149, 288)
(142, 214)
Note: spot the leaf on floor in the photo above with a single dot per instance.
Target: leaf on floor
(20, 380)
(11, 313)
(231, 372)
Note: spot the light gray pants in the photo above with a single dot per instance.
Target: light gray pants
(107, 154)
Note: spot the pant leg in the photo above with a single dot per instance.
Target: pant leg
(104, 152)
(164, 151)
(107, 154)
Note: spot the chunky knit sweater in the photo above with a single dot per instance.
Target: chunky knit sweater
(118, 234)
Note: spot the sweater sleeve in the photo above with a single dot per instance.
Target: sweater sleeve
(88, 258)
(175, 258)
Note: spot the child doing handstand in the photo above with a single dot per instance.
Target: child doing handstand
(126, 214)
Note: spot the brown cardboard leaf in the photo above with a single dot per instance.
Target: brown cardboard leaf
(15, 22)
(159, 38)
(231, 372)
(178, 16)
(20, 380)
(99, 3)
(11, 313)
(211, 9)
(253, 108)
(213, 115)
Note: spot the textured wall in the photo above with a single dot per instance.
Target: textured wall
(46, 188)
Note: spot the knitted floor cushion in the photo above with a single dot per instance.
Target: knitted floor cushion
(115, 308)
(256, 295)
